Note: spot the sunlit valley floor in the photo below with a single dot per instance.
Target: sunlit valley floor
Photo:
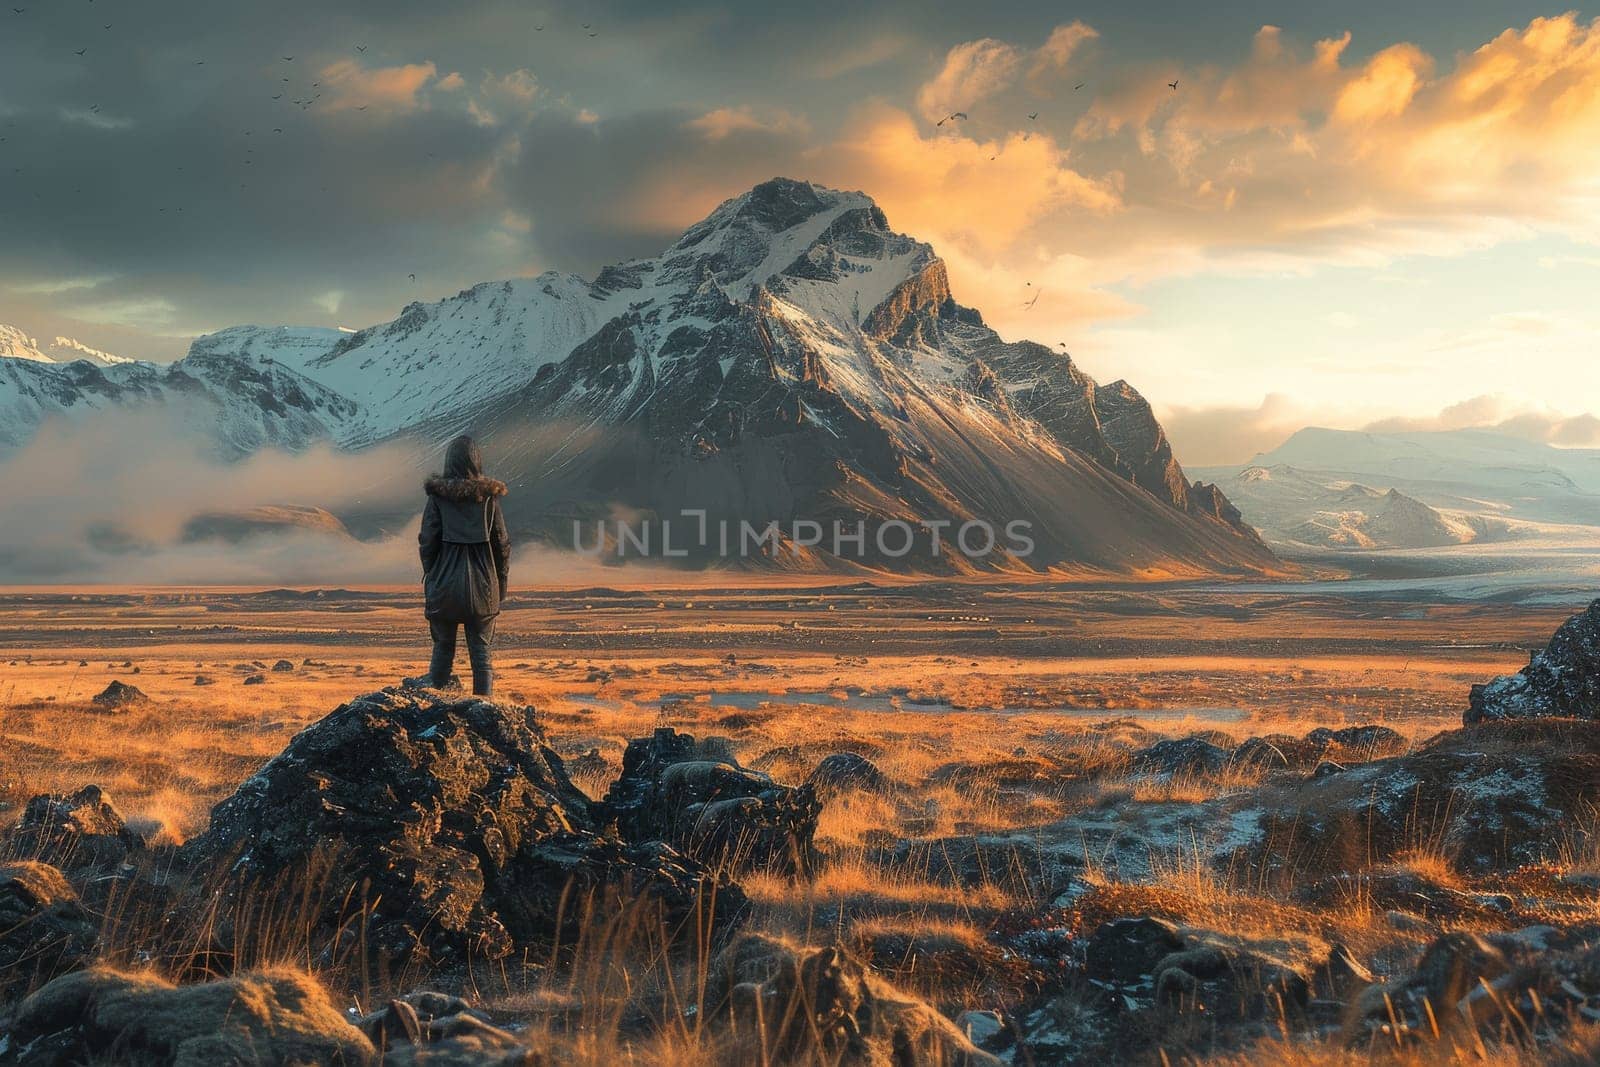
(1019, 800)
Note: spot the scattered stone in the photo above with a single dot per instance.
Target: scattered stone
(1180, 755)
(981, 1027)
(1341, 977)
(1128, 951)
(73, 831)
(441, 1031)
(119, 696)
(255, 679)
(1562, 679)
(204, 679)
(675, 790)
(283, 666)
(44, 928)
(844, 772)
(1262, 753)
(1361, 743)
(770, 1001)
(106, 1016)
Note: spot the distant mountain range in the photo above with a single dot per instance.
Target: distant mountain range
(790, 356)
(1352, 490)
(14, 344)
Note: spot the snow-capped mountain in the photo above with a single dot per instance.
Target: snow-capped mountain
(1423, 489)
(241, 405)
(788, 357)
(15, 344)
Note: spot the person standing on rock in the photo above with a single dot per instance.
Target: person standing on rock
(466, 556)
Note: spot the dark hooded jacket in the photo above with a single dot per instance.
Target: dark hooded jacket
(466, 552)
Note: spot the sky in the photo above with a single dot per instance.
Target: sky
(1369, 214)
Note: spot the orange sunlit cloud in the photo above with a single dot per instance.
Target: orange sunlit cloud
(351, 86)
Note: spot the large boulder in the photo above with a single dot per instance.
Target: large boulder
(447, 824)
(722, 814)
(772, 1002)
(279, 1018)
(1561, 680)
(74, 831)
(44, 929)
(1195, 756)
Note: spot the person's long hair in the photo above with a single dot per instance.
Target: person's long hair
(462, 459)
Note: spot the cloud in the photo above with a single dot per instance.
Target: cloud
(1291, 156)
(724, 122)
(1227, 435)
(987, 192)
(1058, 50)
(123, 523)
(56, 286)
(1505, 415)
(972, 71)
(350, 85)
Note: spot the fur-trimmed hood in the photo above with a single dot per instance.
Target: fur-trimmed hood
(464, 489)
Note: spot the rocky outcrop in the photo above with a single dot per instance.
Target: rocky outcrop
(275, 1017)
(845, 772)
(1490, 799)
(73, 831)
(1563, 679)
(446, 825)
(1192, 968)
(672, 789)
(1180, 755)
(44, 929)
(773, 1002)
(119, 696)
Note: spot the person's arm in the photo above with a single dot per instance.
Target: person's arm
(500, 544)
(430, 536)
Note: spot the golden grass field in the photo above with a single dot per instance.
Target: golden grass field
(967, 696)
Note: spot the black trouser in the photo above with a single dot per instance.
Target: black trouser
(480, 635)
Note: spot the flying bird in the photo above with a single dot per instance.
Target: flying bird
(1080, 85)
(18, 10)
(949, 117)
(594, 33)
(361, 48)
(278, 97)
(80, 51)
(1037, 294)
(1173, 85)
(1033, 116)
(538, 29)
(413, 277)
(277, 129)
(363, 107)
